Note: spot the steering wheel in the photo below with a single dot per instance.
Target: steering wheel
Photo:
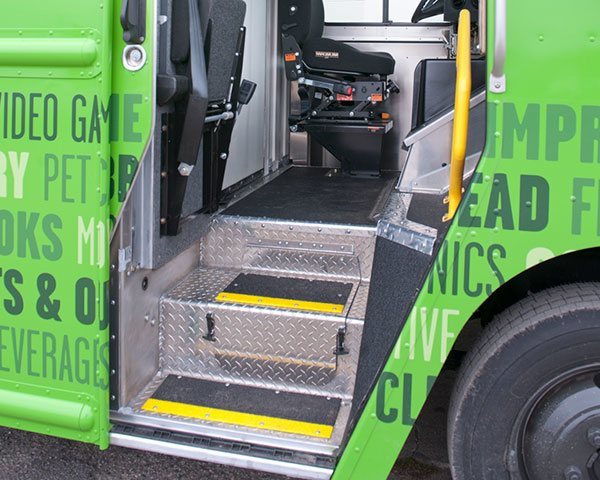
(427, 9)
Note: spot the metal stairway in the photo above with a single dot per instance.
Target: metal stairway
(291, 349)
(273, 384)
(287, 350)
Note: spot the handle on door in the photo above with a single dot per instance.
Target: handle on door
(498, 77)
(133, 21)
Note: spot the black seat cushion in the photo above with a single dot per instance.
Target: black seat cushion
(331, 55)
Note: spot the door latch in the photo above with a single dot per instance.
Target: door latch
(340, 343)
(210, 328)
(133, 21)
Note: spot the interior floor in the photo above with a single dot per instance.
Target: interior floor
(318, 195)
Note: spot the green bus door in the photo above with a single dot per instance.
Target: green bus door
(55, 84)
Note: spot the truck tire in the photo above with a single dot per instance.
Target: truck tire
(526, 404)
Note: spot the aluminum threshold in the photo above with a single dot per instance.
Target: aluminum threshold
(254, 438)
(223, 458)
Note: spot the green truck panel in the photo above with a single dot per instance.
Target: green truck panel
(534, 197)
(54, 176)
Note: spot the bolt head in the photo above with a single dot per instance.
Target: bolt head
(134, 57)
(594, 437)
(573, 473)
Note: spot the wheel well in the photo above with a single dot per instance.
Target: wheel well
(574, 267)
(580, 266)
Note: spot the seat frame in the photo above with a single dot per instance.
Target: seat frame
(197, 130)
(333, 94)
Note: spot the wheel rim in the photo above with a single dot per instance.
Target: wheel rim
(558, 432)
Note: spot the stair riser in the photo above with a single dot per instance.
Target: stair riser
(289, 248)
(259, 346)
(253, 332)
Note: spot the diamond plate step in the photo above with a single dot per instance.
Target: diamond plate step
(274, 348)
(135, 412)
(290, 248)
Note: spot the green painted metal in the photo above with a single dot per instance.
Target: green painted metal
(535, 196)
(48, 52)
(132, 111)
(74, 124)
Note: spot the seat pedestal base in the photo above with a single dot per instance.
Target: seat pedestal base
(358, 145)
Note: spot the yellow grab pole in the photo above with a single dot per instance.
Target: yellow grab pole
(461, 114)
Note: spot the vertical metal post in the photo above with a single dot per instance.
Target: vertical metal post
(461, 115)
(272, 58)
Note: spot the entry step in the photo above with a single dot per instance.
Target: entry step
(291, 293)
(245, 406)
(331, 252)
(230, 287)
(300, 334)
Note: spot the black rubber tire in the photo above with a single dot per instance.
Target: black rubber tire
(535, 340)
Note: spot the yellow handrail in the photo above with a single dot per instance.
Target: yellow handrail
(461, 114)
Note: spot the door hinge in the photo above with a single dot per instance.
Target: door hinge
(125, 257)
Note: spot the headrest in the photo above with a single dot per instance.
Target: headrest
(302, 19)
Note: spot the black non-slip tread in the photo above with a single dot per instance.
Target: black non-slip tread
(428, 209)
(311, 195)
(250, 400)
(289, 288)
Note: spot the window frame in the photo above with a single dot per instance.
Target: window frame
(385, 21)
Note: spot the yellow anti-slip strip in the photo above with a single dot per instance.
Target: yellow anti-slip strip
(237, 418)
(242, 299)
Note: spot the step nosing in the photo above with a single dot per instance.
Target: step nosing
(278, 222)
(261, 309)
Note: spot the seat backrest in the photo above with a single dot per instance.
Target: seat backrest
(221, 24)
(302, 19)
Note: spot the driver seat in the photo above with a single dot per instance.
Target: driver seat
(341, 89)
(305, 21)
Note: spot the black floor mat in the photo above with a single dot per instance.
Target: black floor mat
(290, 288)
(249, 400)
(428, 210)
(309, 195)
